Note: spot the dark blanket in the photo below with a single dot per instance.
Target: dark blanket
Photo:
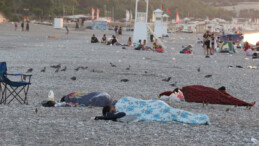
(202, 94)
(111, 116)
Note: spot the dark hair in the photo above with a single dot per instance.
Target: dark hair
(106, 109)
(63, 99)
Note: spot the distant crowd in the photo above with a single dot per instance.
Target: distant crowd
(137, 46)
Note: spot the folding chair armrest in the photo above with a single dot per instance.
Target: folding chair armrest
(23, 76)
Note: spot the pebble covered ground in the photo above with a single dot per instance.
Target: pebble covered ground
(21, 125)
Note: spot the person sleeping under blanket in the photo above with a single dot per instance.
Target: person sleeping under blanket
(151, 111)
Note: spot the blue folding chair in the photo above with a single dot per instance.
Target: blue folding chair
(11, 90)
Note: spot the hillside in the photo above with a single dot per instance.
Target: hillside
(116, 8)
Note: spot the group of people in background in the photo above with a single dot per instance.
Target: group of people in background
(209, 42)
(23, 27)
(251, 51)
(137, 46)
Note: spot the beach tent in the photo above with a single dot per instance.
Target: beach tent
(97, 99)
(227, 47)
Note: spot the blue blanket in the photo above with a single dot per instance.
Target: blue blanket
(157, 110)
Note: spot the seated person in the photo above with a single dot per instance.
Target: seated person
(151, 111)
(187, 50)
(145, 47)
(104, 39)
(109, 113)
(129, 43)
(155, 44)
(113, 41)
(255, 56)
(159, 49)
(249, 52)
(202, 94)
(94, 39)
(138, 45)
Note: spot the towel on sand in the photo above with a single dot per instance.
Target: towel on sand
(202, 94)
(158, 111)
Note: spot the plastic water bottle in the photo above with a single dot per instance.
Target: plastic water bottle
(51, 95)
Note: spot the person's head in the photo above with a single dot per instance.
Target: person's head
(139, 41)
(106, 109)
(207, 31)
(113, 36)
(129, 38)
(93, 35)
(145, 41)
(63, 99)
(189, 46)
(246, 44)
(104, 35)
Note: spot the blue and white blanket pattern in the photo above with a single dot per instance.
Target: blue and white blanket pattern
(159, 111)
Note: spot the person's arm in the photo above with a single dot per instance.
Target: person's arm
(111, 116)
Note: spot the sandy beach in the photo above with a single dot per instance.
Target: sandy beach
(20, 125)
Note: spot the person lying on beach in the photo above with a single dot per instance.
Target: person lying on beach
(151, 111)
(94, 39)
(187, 50)
(208, 95)
(82, 99)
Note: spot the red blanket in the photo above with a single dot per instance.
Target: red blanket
(202, 94)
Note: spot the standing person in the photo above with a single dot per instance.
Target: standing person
(120, 31)
(27, 27)
(22, 26)
(67, 30)
(15, 26)
(212, 49)
(116, 30)
(152, 38)
(206, 40)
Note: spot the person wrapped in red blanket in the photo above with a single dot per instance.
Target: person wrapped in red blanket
(202, 94)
